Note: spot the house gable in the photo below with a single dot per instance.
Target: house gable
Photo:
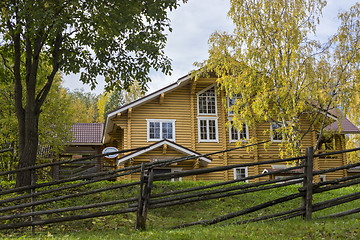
(141, 101)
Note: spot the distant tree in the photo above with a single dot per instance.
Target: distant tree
(121, 40)
(117, 98)
(102, 100)
(135, 91)
(275, 72)
(85, 106)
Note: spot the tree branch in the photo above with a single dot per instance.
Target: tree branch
(322, 126)
(56, 56)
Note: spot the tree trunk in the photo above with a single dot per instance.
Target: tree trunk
(28, 154)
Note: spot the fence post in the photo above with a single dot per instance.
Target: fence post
(140, 221)
(308, 183)
(32, 191)
(146, 198)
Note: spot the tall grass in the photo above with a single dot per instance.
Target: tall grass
(122, 226)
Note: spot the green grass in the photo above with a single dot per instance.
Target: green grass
(122, 226)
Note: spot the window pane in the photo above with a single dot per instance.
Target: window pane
(233, 132)
(240, 173)
(167, 130)
(276, 133)
(202, 104)
(157, 130)
(151, 130)
(243, 134)
(232, 101)
(154, 130)
(203, 130)
(207, 102)
(211, 105)
(212, 130)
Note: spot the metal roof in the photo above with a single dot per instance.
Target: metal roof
(87, 133)
(343, 124)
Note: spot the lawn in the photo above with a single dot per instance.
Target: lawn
(160, 220)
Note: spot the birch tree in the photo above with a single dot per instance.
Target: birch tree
(281, 73)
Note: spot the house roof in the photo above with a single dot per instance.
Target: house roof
(170, 144)
(108, 121)
(346, 127)
(87, 133)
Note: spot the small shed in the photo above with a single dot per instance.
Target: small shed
(86, 141)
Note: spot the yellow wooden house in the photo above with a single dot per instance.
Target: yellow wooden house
(189, 118)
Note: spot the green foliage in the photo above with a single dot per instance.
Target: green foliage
(54, 125)
(8, 123)
(120, 40)
(115, 100)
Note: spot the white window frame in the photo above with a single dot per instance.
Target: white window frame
(272, 131)
(228, 104)
(197, 99)
(246, 172)
(238, 132)
(161, 121)
(207, 129)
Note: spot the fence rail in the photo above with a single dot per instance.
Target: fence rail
(32, 196)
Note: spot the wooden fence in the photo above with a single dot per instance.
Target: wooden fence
(19, 210)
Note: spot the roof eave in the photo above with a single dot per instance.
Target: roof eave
(204, 160)
(85, 143)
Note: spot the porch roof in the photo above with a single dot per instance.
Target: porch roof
(175, 146)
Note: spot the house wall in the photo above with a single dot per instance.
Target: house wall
(181, 105)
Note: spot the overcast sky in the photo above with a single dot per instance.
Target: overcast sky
(192, 25)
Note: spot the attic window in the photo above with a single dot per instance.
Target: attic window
(159, 129)
(207, 101)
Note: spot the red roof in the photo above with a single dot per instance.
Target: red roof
(87, 132)
(346, 126)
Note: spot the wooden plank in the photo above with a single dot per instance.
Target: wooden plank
(241, 212)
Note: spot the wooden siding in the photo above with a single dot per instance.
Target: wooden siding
(181, 105)
(160, 154)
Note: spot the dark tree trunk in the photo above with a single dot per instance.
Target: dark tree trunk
(28, 117)
(28, 154)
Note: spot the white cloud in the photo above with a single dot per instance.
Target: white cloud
(193, 23)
